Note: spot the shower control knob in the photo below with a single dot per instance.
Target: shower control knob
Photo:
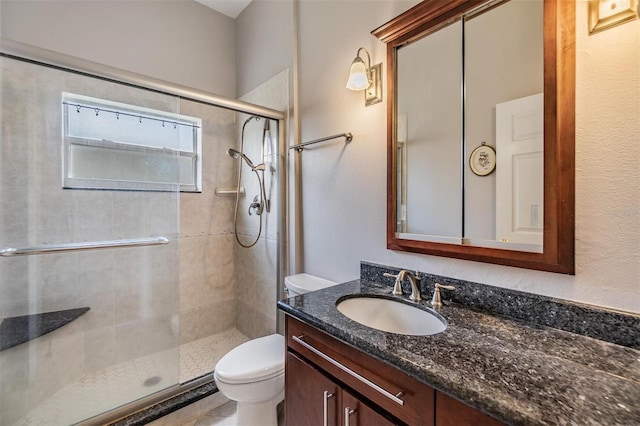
(255, 205)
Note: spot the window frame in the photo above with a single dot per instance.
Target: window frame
(72, 101)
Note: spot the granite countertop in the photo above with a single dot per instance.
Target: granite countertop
(515, 372)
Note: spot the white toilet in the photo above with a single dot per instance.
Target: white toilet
(253, 373)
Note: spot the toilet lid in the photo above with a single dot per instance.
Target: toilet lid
(305, 283)
(252, 361)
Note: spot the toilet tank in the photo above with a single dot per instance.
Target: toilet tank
(304, 283)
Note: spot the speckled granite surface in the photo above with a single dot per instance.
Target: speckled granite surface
(18, 330)
(599, 323)
(170, 405)
(516, 372)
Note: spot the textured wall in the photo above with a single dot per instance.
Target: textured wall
(344, 187)
(607, 159)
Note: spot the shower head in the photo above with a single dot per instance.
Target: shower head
(235, 154)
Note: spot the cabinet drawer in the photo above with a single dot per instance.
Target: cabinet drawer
(397, 393)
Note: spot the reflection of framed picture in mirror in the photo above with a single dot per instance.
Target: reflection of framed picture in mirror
(483, 160)
(605, 14)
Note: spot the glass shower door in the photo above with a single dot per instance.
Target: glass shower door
(83, 331)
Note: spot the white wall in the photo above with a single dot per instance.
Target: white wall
(174, 40)
(344, 187)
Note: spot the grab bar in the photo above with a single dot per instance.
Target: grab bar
(230, 192)
(83, 246)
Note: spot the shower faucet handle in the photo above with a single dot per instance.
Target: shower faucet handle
(255, 205)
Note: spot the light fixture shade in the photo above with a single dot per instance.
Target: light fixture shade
(358, 79)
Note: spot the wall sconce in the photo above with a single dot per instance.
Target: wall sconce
(367, 78)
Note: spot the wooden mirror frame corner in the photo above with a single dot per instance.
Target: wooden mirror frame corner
(559, 135)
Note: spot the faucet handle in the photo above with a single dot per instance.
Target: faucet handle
(436, 301)
(397, 286)
(446, 287)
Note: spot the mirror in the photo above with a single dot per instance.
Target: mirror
(481, 131)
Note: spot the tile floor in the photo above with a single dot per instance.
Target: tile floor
(103, 390)
(225, 415)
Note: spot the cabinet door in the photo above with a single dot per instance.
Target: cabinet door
(356, 413)
(451, 412)
(311, 399)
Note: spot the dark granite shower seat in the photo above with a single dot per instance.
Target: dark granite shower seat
(17, 330)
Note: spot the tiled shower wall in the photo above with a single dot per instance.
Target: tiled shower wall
(223, 285)
(135, 294)
(256, 272)
(131, 292)
(207, 288)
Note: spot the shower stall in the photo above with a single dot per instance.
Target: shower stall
(119, 267)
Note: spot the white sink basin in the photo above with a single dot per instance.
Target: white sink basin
(392, 316)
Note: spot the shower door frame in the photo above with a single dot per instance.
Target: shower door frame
(27, 53)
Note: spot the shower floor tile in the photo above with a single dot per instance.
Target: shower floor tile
(200, 356)
(103, 390)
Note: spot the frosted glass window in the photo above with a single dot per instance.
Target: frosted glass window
(111, 145)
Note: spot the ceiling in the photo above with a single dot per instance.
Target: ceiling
(231, 8)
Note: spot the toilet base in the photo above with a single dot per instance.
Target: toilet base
(263, 413)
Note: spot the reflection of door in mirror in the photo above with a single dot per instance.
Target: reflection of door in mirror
(520, 179)
(428, 98)
(503, 61)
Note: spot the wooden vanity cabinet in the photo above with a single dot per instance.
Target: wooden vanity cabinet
(326, 379)
(314, 399)
(378, 386)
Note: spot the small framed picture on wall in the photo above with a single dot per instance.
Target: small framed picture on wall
(604, 14)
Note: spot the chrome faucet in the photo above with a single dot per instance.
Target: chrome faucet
(436, 301)
(414, 280)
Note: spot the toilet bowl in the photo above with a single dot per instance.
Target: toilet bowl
(253, 373)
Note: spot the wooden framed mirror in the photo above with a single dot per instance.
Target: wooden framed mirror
(466, 228)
